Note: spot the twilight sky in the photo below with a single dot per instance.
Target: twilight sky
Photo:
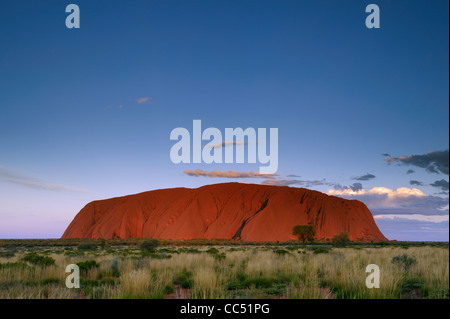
(361, 113)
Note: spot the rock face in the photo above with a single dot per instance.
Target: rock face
(249, 212)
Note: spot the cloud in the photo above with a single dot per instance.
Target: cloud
(269, 179)
(288, 182)
(49, 187)
(415, 183)
(354, 187)
(433, 162)
(309, 183)
(142, 100)
(442, 184)
(366, 177)
(12, 176)
(228, 174)
(410, 171)
(403, 200)
(292, 175)
(386, 155)
(417, 217)
(399, 192)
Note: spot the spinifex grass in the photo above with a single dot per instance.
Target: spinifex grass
(247, 272)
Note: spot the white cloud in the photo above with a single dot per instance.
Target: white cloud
(399, 192)
(416, 217)
(403, 200)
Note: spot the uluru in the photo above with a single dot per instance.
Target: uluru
(248, 212)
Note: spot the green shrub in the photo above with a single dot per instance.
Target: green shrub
(404, 261)
(184, 279)
(115, 267)
(38, 260)
(220, 256)
(212, 251)
(74, 253)
(87, 247)
(154, 255)
(189, 250)
(277, 289)
(7, 254)
(280, 252)
(168, 251)
(50, 281)
(85, 266)
(321, 250)
(16, 265)
(161, 256)
(149, 244)
(341, 240)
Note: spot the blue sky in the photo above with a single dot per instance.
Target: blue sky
(86, 113)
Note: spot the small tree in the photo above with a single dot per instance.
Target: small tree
(149, 244)
(341, 240)
(304, 232)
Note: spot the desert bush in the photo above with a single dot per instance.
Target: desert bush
(85, 266)
(74, 253)
(189, 250)
(7, 254)
(16, 266)
(341, 240)
(212, 251)
(321, 250)
(184, 279)
(87, 246)
(38, 260)
(404, 261)
(149, 244)
(281, 252)
(115, 267)
(220, 256)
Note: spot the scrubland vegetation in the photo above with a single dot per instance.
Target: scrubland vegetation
(221, 269)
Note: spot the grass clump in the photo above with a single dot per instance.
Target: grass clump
(184, 279)
(281, 252)
(404, 261)
(220, 256)
(7, 254)
(38, 260)
(87, 246)
(87, 265)
(321, 250)
(16, 266)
